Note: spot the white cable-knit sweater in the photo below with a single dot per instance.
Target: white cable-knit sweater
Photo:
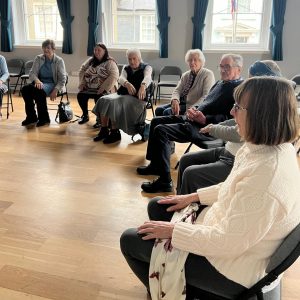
(249, 214)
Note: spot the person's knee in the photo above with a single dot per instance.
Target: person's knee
(155, 121)
(184, 162)
(126, 240)
(189, 173)
(153, 207)
(167, 112)
(159, 111)
(26, 89)
(159, 130)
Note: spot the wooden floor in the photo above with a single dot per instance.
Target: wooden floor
(64, 201)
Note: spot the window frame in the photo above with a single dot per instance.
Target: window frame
(20, 22)
(262, 46)
(107, 20)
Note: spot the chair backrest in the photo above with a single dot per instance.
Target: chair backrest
(27, 67)
(15, 66)
(170, 71)
(296, 79)
(285, 255)
(120, 67)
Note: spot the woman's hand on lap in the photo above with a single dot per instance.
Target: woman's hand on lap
(179, 202)
(156, 229)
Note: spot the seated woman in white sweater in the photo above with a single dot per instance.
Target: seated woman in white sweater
(224, 235)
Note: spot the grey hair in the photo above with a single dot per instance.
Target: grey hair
(136, 52)
(195, 52)
(237, 59)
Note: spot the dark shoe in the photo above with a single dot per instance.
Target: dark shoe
(42, 123)
(113, 137)
(27, 122)
(84, 119)
(147, 170)
(96, 125)
(103, 134)
(157, 186)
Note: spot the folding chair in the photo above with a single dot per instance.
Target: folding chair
(165, 77)
(9, 102)
(285, 255)
(25, 76)
(120, 67)
(16, 70)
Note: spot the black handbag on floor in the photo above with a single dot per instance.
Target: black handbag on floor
(64, 112)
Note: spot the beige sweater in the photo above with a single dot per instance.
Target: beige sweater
(249, 215)
(204, 80)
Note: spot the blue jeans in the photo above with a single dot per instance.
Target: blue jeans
(166, 110)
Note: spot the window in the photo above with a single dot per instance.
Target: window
(130, 23)
(35, 21)
(237, 25)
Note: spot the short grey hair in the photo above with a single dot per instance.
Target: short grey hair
(136, 52)
(237, 59)
(195, 52)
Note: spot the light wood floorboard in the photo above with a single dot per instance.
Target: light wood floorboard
(64, 202)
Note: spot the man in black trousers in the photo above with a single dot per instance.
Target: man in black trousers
(214, 109)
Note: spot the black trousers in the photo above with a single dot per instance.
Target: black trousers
(83, 99)
(199, 272)
(203, 168)
(166, 129)
(33, 96)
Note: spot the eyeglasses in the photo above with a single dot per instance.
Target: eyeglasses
(237, 107)
(226, 67)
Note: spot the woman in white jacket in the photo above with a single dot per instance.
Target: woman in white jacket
(224, 235)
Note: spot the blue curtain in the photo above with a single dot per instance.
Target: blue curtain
(198, 21)
(6, 26)
(277, 28)
(93, 20)
(163, 22)
(64, 7)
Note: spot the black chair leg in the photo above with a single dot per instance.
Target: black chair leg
(186, 151)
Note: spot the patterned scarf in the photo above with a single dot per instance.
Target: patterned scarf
(166, 272)
(188, 85)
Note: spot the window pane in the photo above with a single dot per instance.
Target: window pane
(133, 22)
(236, 22)
(42, 20)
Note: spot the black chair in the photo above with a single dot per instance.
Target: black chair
(166, 78)
(284, 256)
(16, 70)
(204, 145)
(120, 67)
(25, 76)
(9, 102)
(150, 97)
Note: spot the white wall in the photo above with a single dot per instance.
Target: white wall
(180, 40)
